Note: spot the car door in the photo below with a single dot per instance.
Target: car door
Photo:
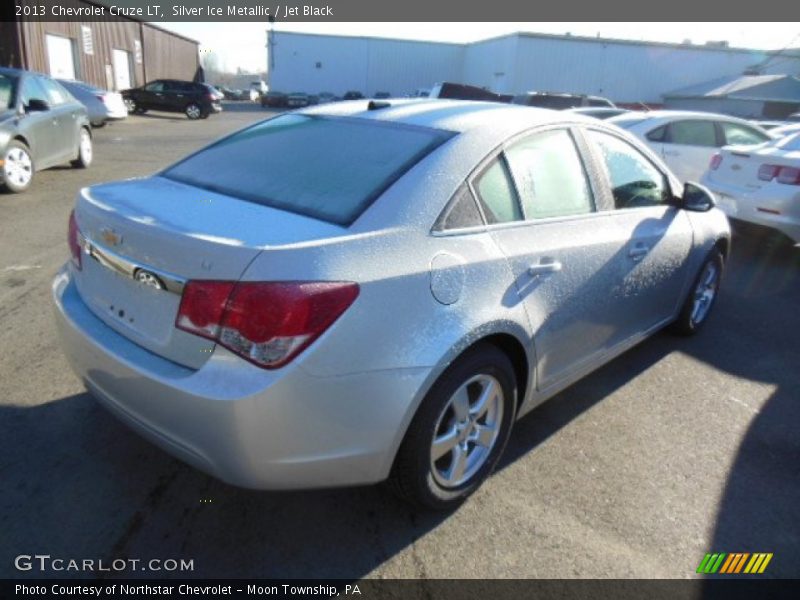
(641, 209)
(688, 147)
(151, 96)
(38, 127)
(176, 95)
(568, 259)
(64, 111)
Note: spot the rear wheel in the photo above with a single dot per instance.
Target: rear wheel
(17, 167)
(459, 431)
(85, 150)
(703, 294)
(193, 111)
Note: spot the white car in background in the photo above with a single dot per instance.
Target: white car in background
(784, 130)
(760, 185)
(687, 140)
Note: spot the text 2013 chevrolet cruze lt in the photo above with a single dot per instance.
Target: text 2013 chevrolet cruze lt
(357, 292)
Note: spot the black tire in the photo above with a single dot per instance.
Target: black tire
(12, 184)
(84, 156)
(193, 111)
(412, 476)
(686, 324)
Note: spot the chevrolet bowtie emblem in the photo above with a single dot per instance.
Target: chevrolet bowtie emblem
(110, 237)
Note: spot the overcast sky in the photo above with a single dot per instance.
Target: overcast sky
(242, 44)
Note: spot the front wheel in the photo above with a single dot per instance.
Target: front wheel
(17, 167)
(459, 431)
(85, 150)
(703, 294)
(193, 111)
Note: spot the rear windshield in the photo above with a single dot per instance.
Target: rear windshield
(330, 169)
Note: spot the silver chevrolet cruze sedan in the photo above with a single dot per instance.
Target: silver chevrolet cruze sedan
(368, 291)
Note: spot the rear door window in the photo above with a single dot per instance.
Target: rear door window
(549, 175)
(326, 168)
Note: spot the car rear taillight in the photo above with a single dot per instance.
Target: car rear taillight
(267, 323)
(716, 161)
(787, 175)
(210, 97)
(73, 235)
(101, 97)
(768, 172)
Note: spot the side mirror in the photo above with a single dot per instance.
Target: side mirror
(37, 105)
(697, 198)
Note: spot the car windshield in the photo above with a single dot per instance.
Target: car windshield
(8, 91)
(330, 169)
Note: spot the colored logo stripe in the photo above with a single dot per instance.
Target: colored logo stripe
(734, 563)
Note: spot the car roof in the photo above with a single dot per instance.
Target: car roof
(450, 115)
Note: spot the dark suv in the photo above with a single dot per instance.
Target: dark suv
(195, 100)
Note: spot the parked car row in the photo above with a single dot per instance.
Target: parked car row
(276, 99)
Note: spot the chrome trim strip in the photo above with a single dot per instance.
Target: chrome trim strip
(127, 268)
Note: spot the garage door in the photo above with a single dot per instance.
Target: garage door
(122, 69)
(60, 56)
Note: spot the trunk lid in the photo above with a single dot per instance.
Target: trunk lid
(144, 238)
(740, 165)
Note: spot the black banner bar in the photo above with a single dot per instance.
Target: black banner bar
(733, 588)
(381, 11)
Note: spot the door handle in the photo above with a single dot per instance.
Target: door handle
(671, 153)
(638, 252)
(543, 267)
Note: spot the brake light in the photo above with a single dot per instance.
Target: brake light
(716, 161)
(101, 97)
(73, 235)
(267, 323)
(768, 172)
(787, 175)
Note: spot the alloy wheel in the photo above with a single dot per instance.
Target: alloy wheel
(18, 167)
(467, 431)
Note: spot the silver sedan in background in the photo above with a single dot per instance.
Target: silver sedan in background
(362, 291)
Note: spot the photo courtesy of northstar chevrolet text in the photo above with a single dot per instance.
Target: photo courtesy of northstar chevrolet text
(311, 292)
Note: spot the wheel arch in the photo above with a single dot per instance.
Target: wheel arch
(507, 336)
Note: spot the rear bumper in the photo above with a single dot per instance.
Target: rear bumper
(761, 207)
(215, 107)
(282, 429)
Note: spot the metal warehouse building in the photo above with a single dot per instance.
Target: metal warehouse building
(624, 71)
(113, 54)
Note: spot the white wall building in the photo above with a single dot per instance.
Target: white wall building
(624, 71)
